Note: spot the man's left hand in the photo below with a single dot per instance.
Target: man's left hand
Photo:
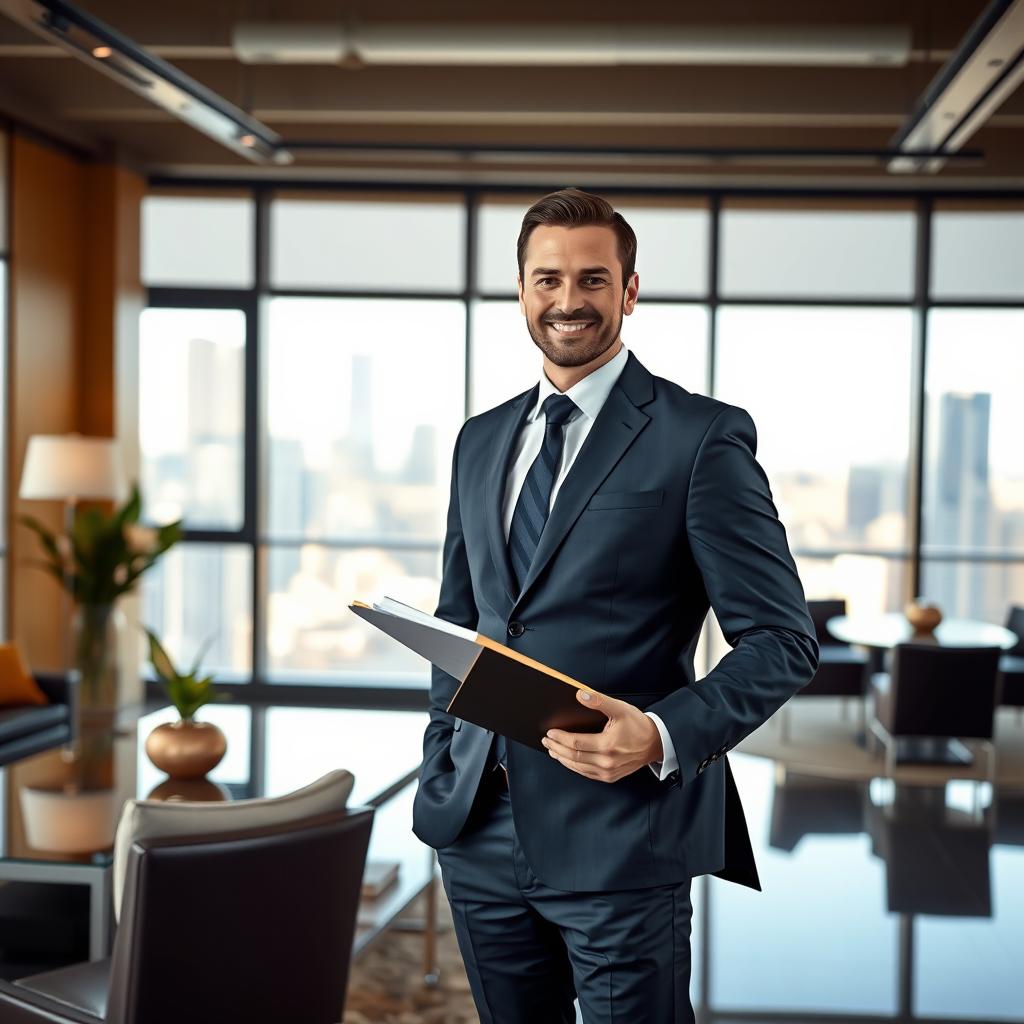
(629, 740)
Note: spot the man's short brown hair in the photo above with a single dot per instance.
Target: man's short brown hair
(574, 208)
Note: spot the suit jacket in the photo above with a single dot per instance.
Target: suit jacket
(663, 512)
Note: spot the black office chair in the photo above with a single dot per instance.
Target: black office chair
(842, 669)
(938, 693)
(1011, 664)
(255, 925)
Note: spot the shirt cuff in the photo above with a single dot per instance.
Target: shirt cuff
(669, 763)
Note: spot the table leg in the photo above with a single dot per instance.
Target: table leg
(431, 971)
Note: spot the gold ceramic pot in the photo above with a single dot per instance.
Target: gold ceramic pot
(923, 617)
(186, 749)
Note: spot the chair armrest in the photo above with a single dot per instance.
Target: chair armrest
(23, 1006)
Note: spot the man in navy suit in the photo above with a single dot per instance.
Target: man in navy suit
(592, 522)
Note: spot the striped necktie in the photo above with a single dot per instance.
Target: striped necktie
(531, 512)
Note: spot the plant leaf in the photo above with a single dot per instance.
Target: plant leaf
(162, 663)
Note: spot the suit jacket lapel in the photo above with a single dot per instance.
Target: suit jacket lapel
(494, 488)
(617, 426)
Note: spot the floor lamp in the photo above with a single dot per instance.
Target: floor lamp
(69, 468)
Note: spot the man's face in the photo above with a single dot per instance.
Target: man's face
(571, 292)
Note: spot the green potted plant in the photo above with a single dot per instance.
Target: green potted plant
(185, 749)
(101, 558)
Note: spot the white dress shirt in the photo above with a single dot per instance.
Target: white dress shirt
(589, 396)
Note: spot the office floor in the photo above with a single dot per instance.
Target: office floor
(385, 986)
(881, 902)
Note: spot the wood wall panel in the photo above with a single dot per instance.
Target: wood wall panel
(74, 298)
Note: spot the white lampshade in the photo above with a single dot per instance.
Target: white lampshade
(70, 466)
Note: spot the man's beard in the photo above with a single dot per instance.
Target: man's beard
(570, 350)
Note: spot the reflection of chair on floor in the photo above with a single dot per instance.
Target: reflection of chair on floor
(936, 857)
(936, 693)
(230, 912)
(1011, 665)
(842, 669)
(1009, 815)
(808, 804)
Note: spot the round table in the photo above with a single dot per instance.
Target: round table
(885, 631)
(880, 633)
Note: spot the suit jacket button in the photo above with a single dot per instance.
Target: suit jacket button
(516, 628)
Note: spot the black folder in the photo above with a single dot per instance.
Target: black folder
(500, 689)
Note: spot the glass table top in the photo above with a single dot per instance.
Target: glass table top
(892, 628)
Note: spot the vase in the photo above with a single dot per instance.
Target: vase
(186, 749)
(922, 616)
(96, 631)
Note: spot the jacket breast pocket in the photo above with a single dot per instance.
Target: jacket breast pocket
(626, 499)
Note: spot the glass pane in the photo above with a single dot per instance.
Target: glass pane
(829, 393)
(196, 240)
(974, 473)
(364, 400)
(191, 415)
(974, 590)
(505, 361)
(808, 253)
(333, 738)
(977, 254)
(355, 243)
(870, 584)
(196, 592)
(313, 636)
(672, 246)
(670, 340)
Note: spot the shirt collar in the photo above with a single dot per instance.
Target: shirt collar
(589, 394)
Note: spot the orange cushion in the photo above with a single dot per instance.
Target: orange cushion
(16, 683)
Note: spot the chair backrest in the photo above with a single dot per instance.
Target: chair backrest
(944, 691)
(1015, 624)
(257, 925)
(149, 819)
(823, 610)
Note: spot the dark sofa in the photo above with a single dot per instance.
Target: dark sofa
(26, 730)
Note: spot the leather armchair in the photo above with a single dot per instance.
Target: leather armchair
(936, 692)
(1011, 664)
(252, 925)
(842, 670)
(27, 730)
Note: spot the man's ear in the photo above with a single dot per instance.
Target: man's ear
(522, 300)
(630, 293)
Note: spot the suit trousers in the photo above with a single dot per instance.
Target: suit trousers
(529, 949)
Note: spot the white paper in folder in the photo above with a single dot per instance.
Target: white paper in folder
(452, 648)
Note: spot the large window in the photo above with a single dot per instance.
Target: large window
(308, 358)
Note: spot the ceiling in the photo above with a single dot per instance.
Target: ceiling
(670, 107)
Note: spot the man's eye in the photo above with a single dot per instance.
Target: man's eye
(594, 280)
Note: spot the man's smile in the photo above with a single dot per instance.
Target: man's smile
(571, 326)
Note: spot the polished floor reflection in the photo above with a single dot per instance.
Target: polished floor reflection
(880, 901)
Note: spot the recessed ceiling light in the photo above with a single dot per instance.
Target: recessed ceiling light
(102, 52)
(248, 140)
